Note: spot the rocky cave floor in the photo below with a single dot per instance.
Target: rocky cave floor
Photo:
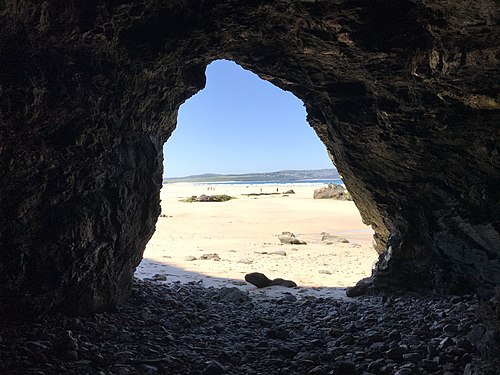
(188, 329)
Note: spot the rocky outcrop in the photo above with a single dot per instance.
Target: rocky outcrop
(404, 96)
(332, 191)
(209, 198)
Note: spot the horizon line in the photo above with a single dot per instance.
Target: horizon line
(248, 173)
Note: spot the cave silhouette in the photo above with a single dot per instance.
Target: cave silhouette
(403, 97)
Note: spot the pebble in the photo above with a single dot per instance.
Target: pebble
(278, 252)
(245, 261)
(159, 277)
(190, 329)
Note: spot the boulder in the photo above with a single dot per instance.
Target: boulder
(332, 191)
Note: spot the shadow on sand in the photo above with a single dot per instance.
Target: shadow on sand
(164, 273)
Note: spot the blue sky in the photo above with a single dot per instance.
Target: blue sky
(241, 124)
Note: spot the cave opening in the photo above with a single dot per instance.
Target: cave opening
(405, 98)
(244, 138)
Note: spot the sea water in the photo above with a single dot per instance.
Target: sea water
(281, 182)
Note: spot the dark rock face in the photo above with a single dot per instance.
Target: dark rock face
(404, 96)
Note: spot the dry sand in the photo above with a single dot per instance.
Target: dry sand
(243, 232)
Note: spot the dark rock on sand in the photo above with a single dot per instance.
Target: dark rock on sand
(362, 287)
(258, 279)
(261, 281)
(213, 256)
(282, 282)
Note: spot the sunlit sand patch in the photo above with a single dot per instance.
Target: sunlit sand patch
(243, 232)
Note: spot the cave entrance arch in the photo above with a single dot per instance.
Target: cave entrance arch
(403, 96)
(239, 118)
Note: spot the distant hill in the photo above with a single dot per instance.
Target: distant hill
(313, 174)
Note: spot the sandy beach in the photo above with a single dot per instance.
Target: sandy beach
(243, 232)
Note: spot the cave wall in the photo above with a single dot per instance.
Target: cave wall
(404, 96)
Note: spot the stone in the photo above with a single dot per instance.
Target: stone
(344, 367)
(278, 332)
(405, 371)
(413, 357)
(362, 287)
(233, 295)
(318, 370)
(245, 261)
(190, 258)
(402, 96)
(288, 192)
(450, 329)
(325, 272)
(395, 353)
(445, 343)
(332, 191)
(278, 252)
(213, 368)
(429, 364)
(476, 334)
(288, 298)
(159, 277)
(289, 238)
(258, 279)
(285, 283)
(208, 198)
(261, 281)
(330, 238)
(213, 256)
(148, 369)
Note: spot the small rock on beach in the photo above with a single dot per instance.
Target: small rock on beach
(213, 256)
(288, 238)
